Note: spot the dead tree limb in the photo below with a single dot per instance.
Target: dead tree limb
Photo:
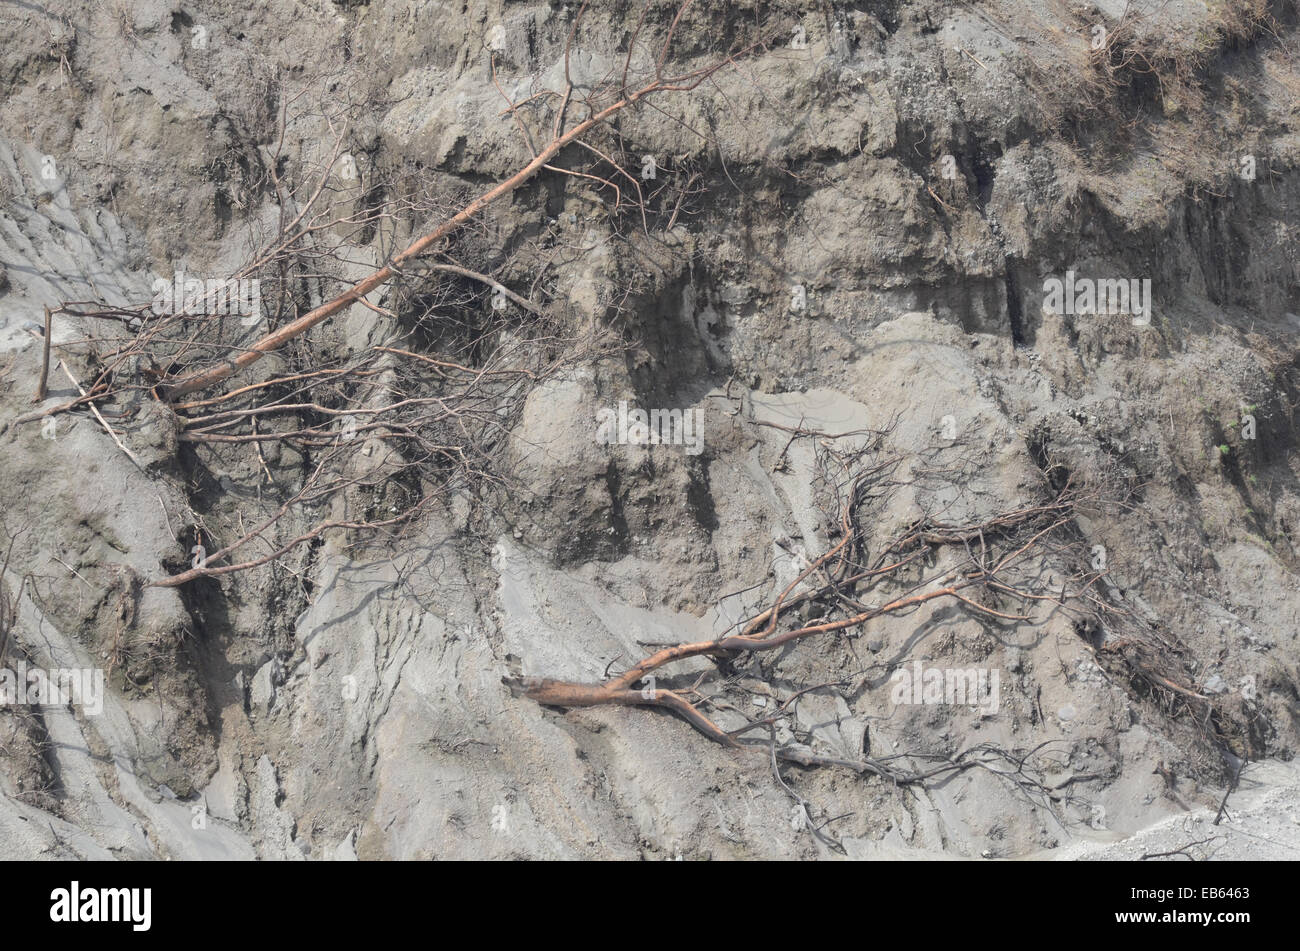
(683, 82)
(1006, 565)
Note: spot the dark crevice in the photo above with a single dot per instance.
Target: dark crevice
(1015, 310)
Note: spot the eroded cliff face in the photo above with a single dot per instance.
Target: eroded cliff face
(846, 260)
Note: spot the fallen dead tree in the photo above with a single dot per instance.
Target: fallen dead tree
(1004, 569)
(1015, 569)
(599, 112)
(418, 415)
(999, 577)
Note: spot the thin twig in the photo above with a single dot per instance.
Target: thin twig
(45, 361)
(107, 428)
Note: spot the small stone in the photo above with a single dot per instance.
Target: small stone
(262, 690)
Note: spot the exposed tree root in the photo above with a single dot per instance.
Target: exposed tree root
(1001, 574)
